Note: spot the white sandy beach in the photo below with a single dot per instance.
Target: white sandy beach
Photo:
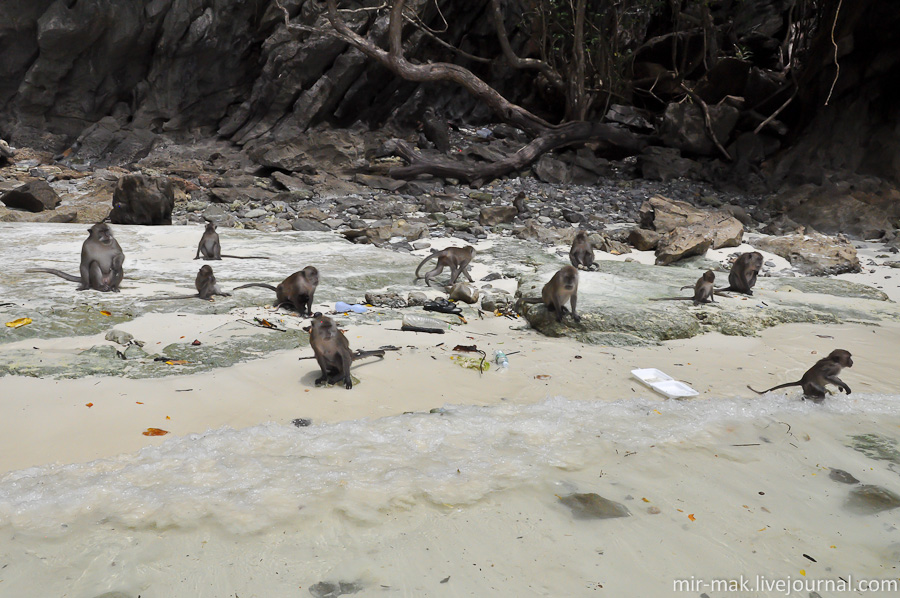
(236, 501)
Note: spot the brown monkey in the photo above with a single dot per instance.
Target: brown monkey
(296, 290)
(582, 251)
(332, 351)
(825, 371)
(561, 288)
(101, 262)
(436, 130)
(742, 277)
(206, 287)
(211, 250)
(456, 258)
(519, 203)
(703, 290)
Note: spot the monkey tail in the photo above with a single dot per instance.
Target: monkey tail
(246, 257)
(256, 284)
(68, 277)
(422, 263)
(785, 385)
(360, 354)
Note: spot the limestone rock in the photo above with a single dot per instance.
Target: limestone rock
(137, 200)
(494, 215)
(35, 196)
(683, 127)
(643, 239)
(464, 291)
(813, 254)
(664, 164)
(385, 299)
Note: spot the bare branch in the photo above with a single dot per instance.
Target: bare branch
(706, 119)
(552, 76)
(305, 28)
(433, 72)
(417, 23)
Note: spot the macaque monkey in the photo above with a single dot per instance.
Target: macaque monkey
(210, 248)
(332, 351)
(825, 371)
(742, 277)
(101, 262)
(296, 290)
(455, 258)
(206, 287)
(703, 290)
(582, 252)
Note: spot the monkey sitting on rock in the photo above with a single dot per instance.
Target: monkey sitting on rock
(562, 288)
(703, 290)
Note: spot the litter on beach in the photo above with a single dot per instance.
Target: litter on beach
(663, 383)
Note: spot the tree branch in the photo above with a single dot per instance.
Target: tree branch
(552, 76)
(436, 71)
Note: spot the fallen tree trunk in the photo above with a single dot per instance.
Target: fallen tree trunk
(621, 140)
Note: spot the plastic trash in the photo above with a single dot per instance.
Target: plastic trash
(443, 306)
(502, 361)
(416, 323)
(356, 308)
(484, 132)
(663, 383)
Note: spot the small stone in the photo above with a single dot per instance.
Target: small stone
(385, 299)
(594, 506)
(464, 291)
(119, 337)
(839, 475)
(416, 299)
(307, 224)
(255, 213)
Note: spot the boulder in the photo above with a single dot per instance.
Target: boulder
(34, 196)
(813, 254)
(464, 291)
(836, 212)
(550, 170)
(493, 215)
(683, 126)
(681, 243)
(139, 201)
(643, 239)
(666, 215)
(665, 164)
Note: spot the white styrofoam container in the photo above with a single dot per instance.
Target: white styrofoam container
(663, 383)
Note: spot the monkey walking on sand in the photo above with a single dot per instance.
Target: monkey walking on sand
(101, 262)
(703, 290)
(296, 290)
(455, 258)
(825, 371)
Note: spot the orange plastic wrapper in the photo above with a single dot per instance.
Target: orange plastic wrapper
(155, 432)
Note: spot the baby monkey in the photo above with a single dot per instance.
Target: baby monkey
(210, 248)
(703, 290)
(825, 371)
(582, 252)
(455, 258)
(206, 287)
